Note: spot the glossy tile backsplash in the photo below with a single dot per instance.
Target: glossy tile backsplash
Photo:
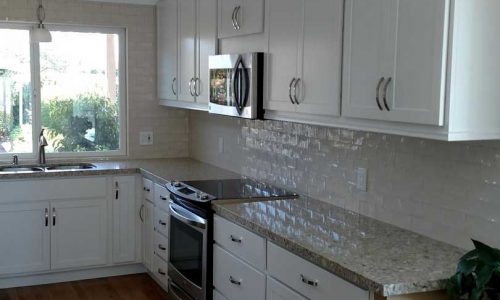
(447, 191)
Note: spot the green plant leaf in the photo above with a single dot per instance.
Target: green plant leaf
(468, 263)
(484, 275)
(477, 294)
(454, 286)
(487, 254)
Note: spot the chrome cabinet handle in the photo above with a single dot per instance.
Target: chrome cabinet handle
(46, 217)
(197, 90)
(163, 198)
(385, 93)
(117, 190)
(234, 281)
(141, 212)
(162, 223)
(290, 90)
(235, 239)
(232, 18)
(378, 93)
(295, 91)
(172, 86)
(161, 272)
(236, 14)
(308, 281)
(53, 216)
(161, 247)
(191, 86)
(146, 189)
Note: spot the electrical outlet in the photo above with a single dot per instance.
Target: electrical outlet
(146, 138)
(361, 179)
(221, 145)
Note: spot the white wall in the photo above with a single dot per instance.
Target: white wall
(170, 126)
(447, 191)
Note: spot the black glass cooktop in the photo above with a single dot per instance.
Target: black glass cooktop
(239, 189)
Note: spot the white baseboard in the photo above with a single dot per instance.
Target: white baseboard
(30, 280)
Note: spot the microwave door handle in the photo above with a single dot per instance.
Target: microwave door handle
(246, 85)
(237, 84)
(186, 217)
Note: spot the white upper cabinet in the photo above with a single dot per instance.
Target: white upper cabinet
(183, 51)
(167, 49)
(24, 237)
(395, 60)
(305, 47)
(240, 17)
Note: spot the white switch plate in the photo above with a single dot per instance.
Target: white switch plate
(221, 145)
(361, 179)
(146, 138)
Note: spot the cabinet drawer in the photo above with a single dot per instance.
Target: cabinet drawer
(218, 296)
(161, 246)
(236, 279)
(147, 189)
(161, 197)
(309, 279)
(161, 221)
(160, 270)
(244, 244)
(278, 291)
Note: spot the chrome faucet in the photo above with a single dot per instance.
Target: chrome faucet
(42, 143)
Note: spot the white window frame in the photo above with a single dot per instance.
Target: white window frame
(36, 92)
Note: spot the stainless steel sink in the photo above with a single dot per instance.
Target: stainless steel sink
(71, 167)
(19, 169)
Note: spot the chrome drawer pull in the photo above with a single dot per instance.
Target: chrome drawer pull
(146, 189)
(234, 281)
(163, 198)
(308, 281)
(160, 271)
(161, 247)
(236, 240)
(162, 223)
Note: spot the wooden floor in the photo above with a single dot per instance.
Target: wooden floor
(131, 287)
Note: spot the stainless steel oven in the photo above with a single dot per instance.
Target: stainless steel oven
(236, 85)
(189, 261)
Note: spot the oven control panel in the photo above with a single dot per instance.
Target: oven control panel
(188, 192)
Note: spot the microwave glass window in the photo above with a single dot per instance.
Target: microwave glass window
(220, 87)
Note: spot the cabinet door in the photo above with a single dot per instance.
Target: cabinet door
(285, 46)
(277, 291)
(369, 34)
(248, 18)
(417, 94)
(206, 46)
(318, 90)
(147, 233)
(167, 49)
(24, 238)
(186, 54)
(78, 235)
(124, 219)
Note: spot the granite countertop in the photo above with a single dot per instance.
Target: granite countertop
(373, 255)
(159, 169)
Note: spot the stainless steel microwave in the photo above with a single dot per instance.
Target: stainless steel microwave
(236, 85)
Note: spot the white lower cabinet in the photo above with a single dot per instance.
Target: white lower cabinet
(286, 277)
(24, 237)
(160, 270)
(278, 291)
(79, 233)
(146, 215)
(67, 224)
(308, 279)
(236, 279)
(124, 219)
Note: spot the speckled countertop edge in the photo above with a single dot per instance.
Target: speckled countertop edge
(344, 272)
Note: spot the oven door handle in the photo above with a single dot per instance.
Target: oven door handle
(186, 216)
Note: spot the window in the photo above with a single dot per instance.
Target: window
(81, 82)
